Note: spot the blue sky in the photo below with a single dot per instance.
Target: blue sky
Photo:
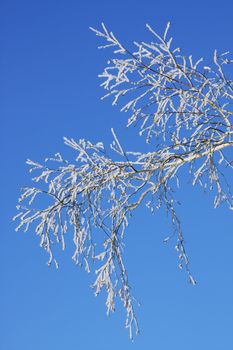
(49, 64)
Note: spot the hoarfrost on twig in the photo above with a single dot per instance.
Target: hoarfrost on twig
(184, 107)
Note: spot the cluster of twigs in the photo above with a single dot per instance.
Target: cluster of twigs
(184, 107)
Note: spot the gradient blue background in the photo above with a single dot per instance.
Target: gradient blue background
(49, 89)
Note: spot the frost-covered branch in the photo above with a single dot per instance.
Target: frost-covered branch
(170, 95)
(184, 109)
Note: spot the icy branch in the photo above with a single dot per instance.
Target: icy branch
(184, 109)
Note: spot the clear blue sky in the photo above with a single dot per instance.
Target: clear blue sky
(49, 89)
